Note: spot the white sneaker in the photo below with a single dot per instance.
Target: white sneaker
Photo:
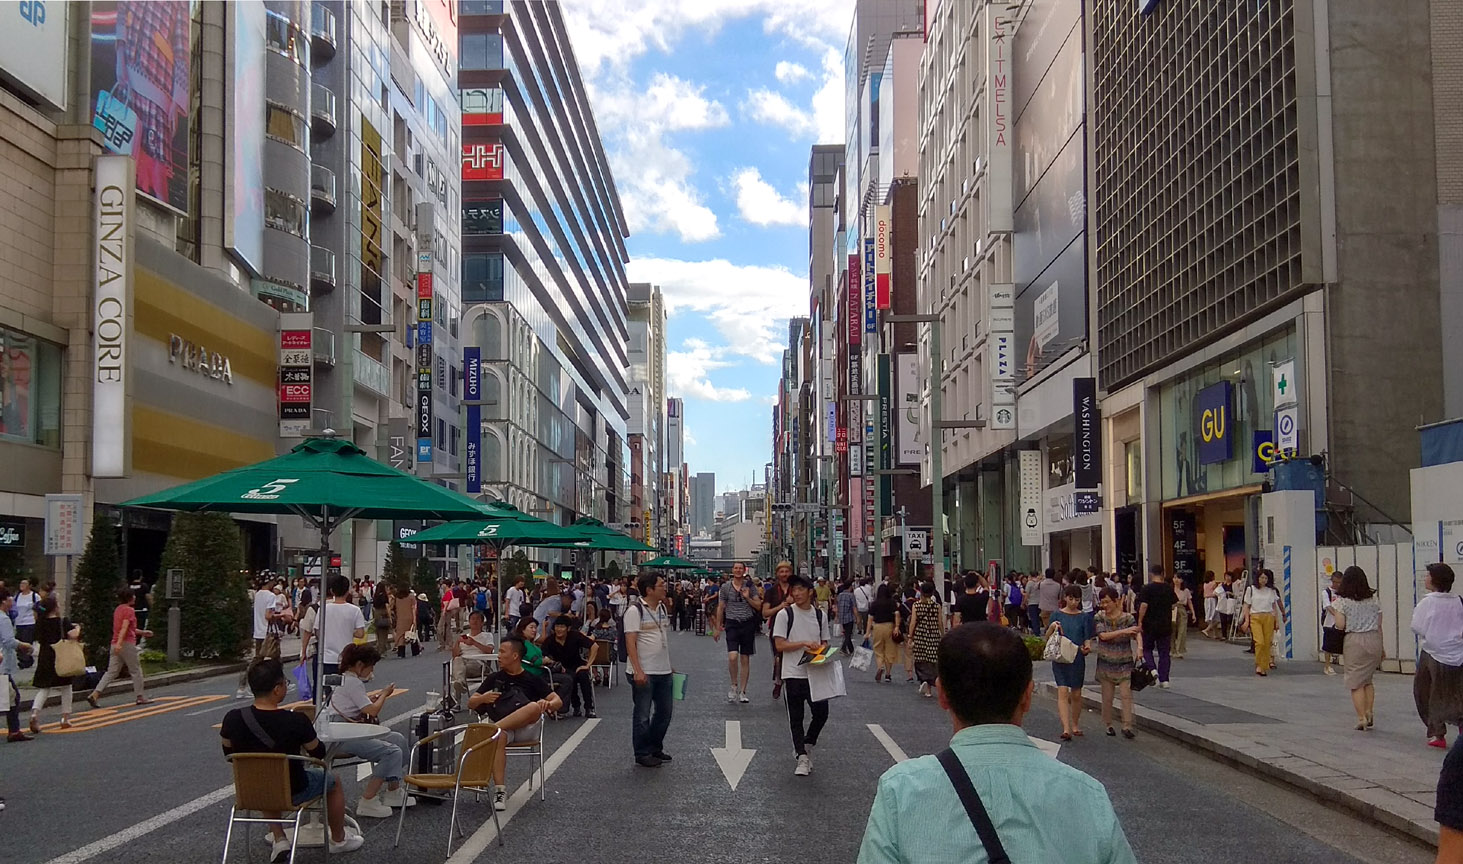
(396, 797)
(744, 698)
(805, 767)
(373, 807)
(1163, 685)
(731, 695)
(500, 798)
(280, 850)
(351, 843)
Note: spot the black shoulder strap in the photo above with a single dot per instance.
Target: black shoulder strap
(973, 807)
(247, 714)
(787, 631)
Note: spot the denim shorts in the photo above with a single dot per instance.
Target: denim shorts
(315, 785)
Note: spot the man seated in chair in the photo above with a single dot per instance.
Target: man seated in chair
(474, 647)
(264, 727)
(514, 700)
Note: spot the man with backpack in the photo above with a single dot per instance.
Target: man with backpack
(776, 598)
(801, 629)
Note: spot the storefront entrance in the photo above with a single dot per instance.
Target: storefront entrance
(1214, 533)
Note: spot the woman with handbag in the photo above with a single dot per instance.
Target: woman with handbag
(884, 613)
(926, 628)
(1437, 688)
(1115, 631)
(57, 637)
(1071, 623)
(1331, 638)
(1358, 614)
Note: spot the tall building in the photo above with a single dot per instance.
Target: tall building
(703, 502)
(647, 409)
(1266, 271)
(676, 513)
(543, 278)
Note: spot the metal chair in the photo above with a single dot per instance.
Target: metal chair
(532, 749)
(476, 757)
(604, 658)
(262, 785)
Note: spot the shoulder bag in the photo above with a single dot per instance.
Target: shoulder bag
(974, 808)
(70, 658)
(1059, 649)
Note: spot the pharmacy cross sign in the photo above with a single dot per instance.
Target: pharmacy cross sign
(1282, 385)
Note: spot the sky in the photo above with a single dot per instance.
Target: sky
(708, 110)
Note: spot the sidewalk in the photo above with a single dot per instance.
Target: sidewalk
(1296, 726)
(289, 650)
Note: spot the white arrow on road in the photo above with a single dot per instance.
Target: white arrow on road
(732, 759)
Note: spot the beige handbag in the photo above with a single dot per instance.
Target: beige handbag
(70, 658)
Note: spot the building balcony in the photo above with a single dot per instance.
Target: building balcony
(322, 344)
(322, 112)
(322, 35)
(322, 190)
(322, 269)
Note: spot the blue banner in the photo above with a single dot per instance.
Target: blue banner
(1262, 451)
(871, 310)
(1213, 426)
(473, 392)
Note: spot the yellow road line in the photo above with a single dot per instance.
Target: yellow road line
(102, 718)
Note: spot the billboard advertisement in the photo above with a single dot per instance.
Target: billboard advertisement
(482, 161)
(1049, 245)
(472, 385)
(244, 165)
(855, 302)
(140, 78)
(911, 411)
(33, 48)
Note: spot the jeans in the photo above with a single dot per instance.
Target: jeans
(798, 692)
(1033, 618)
(579, 683)
(652, 715)
(386, 755)
(847, 636)
(126, 656)
(1162, 644)
(12, 717)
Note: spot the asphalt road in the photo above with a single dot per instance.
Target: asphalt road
(154, 787)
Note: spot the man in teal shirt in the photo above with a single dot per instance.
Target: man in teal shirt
(1042, 811)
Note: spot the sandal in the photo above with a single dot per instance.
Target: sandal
(1077, 732)
(1128, 734)
(1066, 736)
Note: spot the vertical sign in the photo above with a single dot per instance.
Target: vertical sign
(883, 255)
(886, 435)
(911, 448)
(472, 377)
(1087, 449)
(1030, 465)
(296, 373)
(997, 115)
(1001, 343)
(425, 360)
(870, 307)
(65, 524)
(399, 444)
(112, 318)
(855, 303)
(1212, 419)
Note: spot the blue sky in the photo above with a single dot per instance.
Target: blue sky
(708, 109)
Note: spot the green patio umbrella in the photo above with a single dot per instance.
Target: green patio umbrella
(671, 562)
(499, 526)
(325, 481)
(603, 538)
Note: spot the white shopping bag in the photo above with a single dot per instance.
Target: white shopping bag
(826, 681)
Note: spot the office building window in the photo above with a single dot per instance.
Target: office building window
(285, 126)
(285, 212)
(30, 389)
(482, 278)
(481, 51)
(483, 217)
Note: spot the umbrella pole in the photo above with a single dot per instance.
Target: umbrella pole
(326, 529)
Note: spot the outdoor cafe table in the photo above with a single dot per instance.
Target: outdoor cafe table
(333, 735)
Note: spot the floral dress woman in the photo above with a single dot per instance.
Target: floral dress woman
(926, 630)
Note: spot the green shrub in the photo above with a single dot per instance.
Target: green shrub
(1035, 645)
(424, 581)
(398, 573)
(94, 591)
(216, 616)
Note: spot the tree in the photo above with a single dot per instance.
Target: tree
(94, 592)
(613, 571)
(216, 617)
(424, 581)
(398, 567)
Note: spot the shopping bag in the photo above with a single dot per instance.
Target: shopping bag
(70, 658)
(863, 658)
(1142, 676)
(678, 686)
(1059, 649)
(825, 681)
(302, 683)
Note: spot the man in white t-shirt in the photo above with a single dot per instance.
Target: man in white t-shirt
(646, 641)
(513, 603)
(267, 606)
(339, 623)
(797, 630)
(863, 595)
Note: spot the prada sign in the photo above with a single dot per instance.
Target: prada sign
(197, 358)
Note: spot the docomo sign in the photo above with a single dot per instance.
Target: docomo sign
(111, 320)
(882, 257)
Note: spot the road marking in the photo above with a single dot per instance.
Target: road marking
(894, 749)
(478, 842)
(101, 718)
(162, 820)
(732, 759)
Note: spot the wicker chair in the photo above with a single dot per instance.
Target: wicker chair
(262, 785)
(475, 759)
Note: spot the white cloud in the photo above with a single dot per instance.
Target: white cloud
(653, 177)
(615, 32)
(821, 121)
(747, 304)
(791, 73)
(688, 374)
(761, 204)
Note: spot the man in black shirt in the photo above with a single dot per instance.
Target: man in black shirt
(974, 604)
(1155, 619)
(514, 700)
(570, 648)
(264, 727)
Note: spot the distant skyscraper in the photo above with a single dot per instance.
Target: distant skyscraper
(703, 502)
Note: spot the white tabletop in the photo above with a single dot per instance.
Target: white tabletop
(336, 733)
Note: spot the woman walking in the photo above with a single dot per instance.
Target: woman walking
(926, 628)
(906, 613)
(1262, 604)
(51, 628)
(1211, 604)
(884, 614)
(403, 619)
(1437, 688)
(1358, 614)
(1115, 631)
(1076, 625)
(1183, 611)
(1328, 617)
